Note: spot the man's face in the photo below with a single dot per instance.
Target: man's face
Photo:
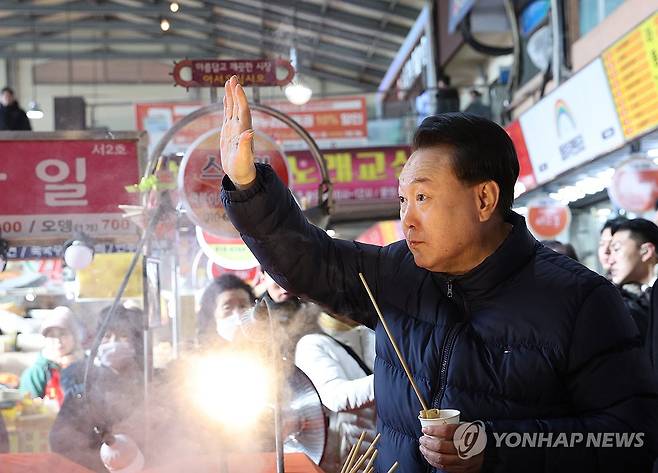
(438, 212)
(629, 261)
(6, 98)
(276, 292)
(604, 249)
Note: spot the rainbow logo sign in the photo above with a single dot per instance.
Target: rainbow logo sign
(563, 118)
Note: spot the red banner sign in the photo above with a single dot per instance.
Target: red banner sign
(52, 188)
(324, 119)
(526, 174)
(335, 119)
(215, 72)
(356, 174)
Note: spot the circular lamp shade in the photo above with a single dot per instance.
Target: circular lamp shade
(78, 255)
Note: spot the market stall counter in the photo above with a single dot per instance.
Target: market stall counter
(237, 463)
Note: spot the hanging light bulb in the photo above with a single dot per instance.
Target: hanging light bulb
(174, 7)
(34, 112)
(165, 25)
(297, 93)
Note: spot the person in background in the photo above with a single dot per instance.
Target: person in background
(114, 390)
(12, 116)
(447, 97)
(562, 248)
(293, 316)
(633, 258)
(339, 361)
(477, 106)
(222, 304)
(604, 243)
(61, 349)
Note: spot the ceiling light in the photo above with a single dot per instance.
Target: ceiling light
(165, 25)
(174, 7)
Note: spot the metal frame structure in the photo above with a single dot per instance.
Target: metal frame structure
(344, 41)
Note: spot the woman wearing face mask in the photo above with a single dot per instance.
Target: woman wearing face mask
(223, 302)
(61, 349)
(114, 390)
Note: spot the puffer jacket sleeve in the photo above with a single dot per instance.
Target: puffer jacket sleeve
(612, 390)
(299, 256)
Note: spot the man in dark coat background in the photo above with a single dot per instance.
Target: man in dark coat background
(523, 341)
(12, 116)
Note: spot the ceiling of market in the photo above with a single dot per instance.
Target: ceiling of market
(349, 42)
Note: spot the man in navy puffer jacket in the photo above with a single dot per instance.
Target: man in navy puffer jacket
(491, 322)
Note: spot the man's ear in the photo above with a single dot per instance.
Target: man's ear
(647, 252)
(487, 195)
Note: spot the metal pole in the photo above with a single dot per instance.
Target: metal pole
(556, 31)
(431, 68)
(176, 323)
(276, 363)
(278, 434)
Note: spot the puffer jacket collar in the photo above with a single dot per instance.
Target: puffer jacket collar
(511, 255)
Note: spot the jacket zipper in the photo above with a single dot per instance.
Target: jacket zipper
(445, 355)
(446, 352)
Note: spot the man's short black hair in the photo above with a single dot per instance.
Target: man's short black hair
(482, 150)
(613, 223)
(8, 89)
(641, 230)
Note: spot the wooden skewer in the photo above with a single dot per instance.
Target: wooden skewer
(395, 345)
(365, 455)
(357, 465)
(393, 467)
(370, 466)
(370, 470)
(358, 447)
(348, 459)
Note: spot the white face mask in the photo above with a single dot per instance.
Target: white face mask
(115, 355)
(227, 327)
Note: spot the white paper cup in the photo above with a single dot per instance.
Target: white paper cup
(446, 416)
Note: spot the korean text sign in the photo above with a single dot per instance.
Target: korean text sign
(215, 72)
(53, 188)
(356, 173)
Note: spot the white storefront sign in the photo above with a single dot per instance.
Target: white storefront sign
(572, 125)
